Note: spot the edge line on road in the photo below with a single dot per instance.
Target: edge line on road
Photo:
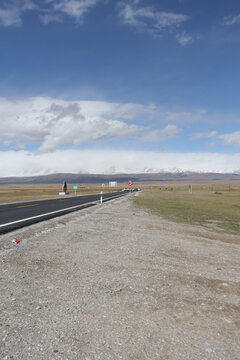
(46, 214)
(55, 212)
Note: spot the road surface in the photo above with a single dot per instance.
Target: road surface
(16, 215)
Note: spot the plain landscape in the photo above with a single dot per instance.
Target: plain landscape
(151, 276)
(119, 180)
(211, 204)
(119, 282)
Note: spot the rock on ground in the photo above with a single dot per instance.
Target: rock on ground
(115, 282)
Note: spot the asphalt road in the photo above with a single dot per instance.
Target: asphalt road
(16, 215)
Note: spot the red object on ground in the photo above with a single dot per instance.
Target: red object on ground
(16, 241)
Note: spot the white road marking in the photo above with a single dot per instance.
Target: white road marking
(46, 214)
(54, 212)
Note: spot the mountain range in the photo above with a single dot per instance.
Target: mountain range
(189, 177)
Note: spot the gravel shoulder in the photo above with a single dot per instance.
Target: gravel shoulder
(115, 282)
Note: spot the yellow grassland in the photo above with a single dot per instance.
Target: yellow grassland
(213, 205)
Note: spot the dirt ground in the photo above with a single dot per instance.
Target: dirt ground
(115, 282)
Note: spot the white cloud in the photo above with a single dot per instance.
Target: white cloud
(231, 139)
(50, 123)
(23, 163)
(227, 139)
(147, 19)
(168, 19)
(181, 116)
(39, 129)
(184, 38)
(10, 17)
(126, 116)
(129, 16)
(74, 8)
(231, 20)
(204, 135)
(48, 17)
(169, 132)
(210, 145)
(11, 11)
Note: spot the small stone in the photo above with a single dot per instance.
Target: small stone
(55, 351)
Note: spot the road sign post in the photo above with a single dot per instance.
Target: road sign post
(75, 188)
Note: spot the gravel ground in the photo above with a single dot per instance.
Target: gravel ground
(115, 282)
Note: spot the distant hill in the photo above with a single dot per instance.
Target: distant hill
(122, 178)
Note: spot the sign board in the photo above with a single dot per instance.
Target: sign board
(130, 182)
(75, 188)
(112, 183)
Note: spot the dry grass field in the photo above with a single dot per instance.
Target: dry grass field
(16, 193)
(215, 206)
(117, 282)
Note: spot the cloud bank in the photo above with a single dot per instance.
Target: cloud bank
(47, 124)
(23, 163)
(44, 124)
(43, 135)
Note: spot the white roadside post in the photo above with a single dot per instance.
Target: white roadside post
(101, 198)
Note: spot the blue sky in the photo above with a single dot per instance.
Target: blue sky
(115, 86)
